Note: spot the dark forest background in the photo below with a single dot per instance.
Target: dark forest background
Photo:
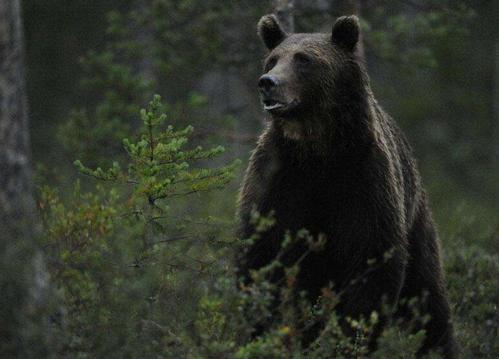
(134, 261)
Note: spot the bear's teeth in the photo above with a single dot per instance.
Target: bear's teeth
(271, 105)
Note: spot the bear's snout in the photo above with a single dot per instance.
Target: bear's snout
(267, 83)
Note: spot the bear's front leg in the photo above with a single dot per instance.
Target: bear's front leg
(373, 284)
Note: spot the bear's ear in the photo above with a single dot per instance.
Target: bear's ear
(346, 32)
(271, 31)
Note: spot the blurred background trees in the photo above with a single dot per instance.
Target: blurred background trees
(92, 65)
(24, 283)
(440, 54)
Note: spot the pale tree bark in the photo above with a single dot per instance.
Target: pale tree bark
(284, 10)
(23, 276)
(16, 200)
(347, 7)
(496, 99)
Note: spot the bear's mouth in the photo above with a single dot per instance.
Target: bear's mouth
(269, 105)
(275, 106)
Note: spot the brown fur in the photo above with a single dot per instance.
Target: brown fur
(336, 164)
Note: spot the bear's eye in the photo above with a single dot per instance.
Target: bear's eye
(302, 59)
(270, 63)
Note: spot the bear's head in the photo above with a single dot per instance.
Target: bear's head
(309, 76)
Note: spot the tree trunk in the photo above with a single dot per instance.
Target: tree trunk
(23, 277)
(284, 10)
(496, 98)
(16, 200)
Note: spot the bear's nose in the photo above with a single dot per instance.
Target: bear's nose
(267, 82)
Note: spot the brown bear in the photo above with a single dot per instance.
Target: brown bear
(331, 161)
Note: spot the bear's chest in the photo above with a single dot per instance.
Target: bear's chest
(303, 195)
